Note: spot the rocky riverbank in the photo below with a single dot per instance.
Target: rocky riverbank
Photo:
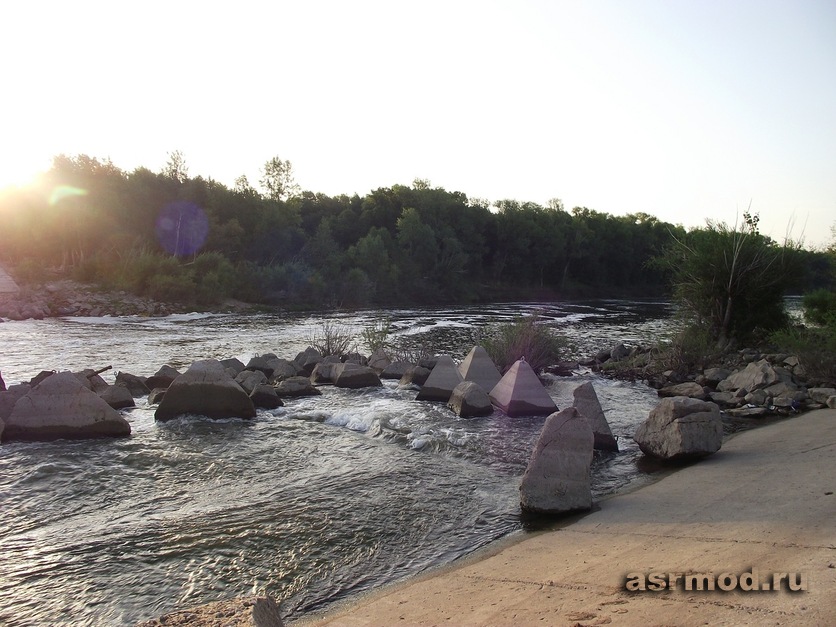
(70, 298)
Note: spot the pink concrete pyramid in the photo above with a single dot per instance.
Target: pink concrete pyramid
(520, 393)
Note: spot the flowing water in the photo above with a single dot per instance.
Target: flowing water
(320, 499)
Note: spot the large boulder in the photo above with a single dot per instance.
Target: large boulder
(396, 370)
(755, 376)
(479, 368)
(117, 396)
(689, 389)
(681, 428)
(415, 377)
(307, 360)
(264, 397)
(324, 372)
(284, 369)
(355, 376)
(260, 363)
(136, 385)
(205, 389)
(11, 396)
(441, 382)
(821, 395)
(587, 403)
(296, 386)
(520, 393)
(62, 407)
(162, 378)
(379, 360)
(233, 364)
(557, 478)
(250, 379)
(469, 399)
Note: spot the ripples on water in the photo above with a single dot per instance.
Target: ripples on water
(317, 500)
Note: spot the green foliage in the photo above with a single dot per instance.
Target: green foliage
(815, 348)
(403, 244)
(820, 307)
(731, 280)
(524, 337)
(376, 336)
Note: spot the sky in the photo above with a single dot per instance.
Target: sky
(686, 110)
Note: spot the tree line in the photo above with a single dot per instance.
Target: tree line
(174, 237)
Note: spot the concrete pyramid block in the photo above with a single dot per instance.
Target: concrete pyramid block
(520, 393)
(587, 403)
(479, 368)
(443, 379)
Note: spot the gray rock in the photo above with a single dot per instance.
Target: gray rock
(307, 360)
(162, 378)
(587, 403)
(296, 386)
(557, 478)
(324, 372)
(726, 399)
(264, 397)
(689, 389)
(156, 396)
(250, 379)
(10, 397)
(396, 370)
(284, 369)
(234, 364)
(61, 407)
(379, 360)
(755, 376)
(207, 390)
(821, 395)
(681, 428)
(619, 352)
(469, 399)
(441, 382)
(415, 376)
(831, 402)
(758, 397)
(260, 363)
(713, 376)
(355, 376)
(136, 385)
(2, 427)
(117, 396)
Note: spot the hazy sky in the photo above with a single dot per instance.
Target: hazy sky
(686, 110)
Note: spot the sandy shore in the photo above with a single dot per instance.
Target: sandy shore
(764, 504)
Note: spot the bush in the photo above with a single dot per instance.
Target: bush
(333, 339)
(524, 337)
(820, 307)
(732, 279)
(376, 336)
(167, 288)
(815, 349)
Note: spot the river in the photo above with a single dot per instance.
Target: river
(321, 499)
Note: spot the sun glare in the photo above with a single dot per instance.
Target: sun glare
(17, 173)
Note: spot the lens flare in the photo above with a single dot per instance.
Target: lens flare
(65, 191)
(182, 228)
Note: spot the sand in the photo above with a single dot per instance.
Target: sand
(764, 503)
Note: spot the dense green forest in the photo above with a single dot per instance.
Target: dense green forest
(172, 237)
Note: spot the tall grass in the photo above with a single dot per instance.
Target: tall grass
(524, 337)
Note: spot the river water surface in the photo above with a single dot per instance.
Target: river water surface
(323, 498)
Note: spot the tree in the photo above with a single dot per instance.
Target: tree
(175, 168)
(731, 279)
(277, 179)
